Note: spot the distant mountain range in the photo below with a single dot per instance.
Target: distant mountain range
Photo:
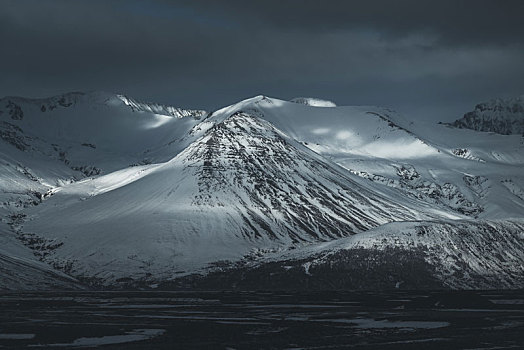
(101, 190)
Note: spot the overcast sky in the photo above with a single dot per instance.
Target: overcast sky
(427, 59)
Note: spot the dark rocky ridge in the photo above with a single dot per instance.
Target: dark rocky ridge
(502, 116)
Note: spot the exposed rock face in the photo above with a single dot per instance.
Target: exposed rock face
(14, 110)
(412, 184)
(156, 108)
(503, 116)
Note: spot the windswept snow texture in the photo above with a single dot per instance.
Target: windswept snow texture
(111, 190)
(503, 116)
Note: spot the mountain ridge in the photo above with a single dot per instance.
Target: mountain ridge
(96, 96)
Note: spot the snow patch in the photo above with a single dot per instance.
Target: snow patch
(128, 337)
(313, 102)
(16, 336)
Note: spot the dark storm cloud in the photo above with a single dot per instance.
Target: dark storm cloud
(454, 21)
(433, 59)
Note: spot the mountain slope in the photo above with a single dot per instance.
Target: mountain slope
(448, 169)
(81, 128)
(46, 144)
(19, 270)
(461, 254)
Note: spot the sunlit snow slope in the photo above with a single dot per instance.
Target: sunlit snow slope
(46, 144)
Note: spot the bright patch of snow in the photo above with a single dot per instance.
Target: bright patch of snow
(313, 102)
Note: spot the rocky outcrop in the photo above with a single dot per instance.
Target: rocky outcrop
(502, 116)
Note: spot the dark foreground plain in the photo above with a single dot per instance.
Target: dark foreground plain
(263, 320)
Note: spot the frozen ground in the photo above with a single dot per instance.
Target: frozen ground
(250, 320)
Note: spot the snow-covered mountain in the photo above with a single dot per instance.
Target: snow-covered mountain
(503, 116)
(51, 142)
(110, 190)
(413, 255)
